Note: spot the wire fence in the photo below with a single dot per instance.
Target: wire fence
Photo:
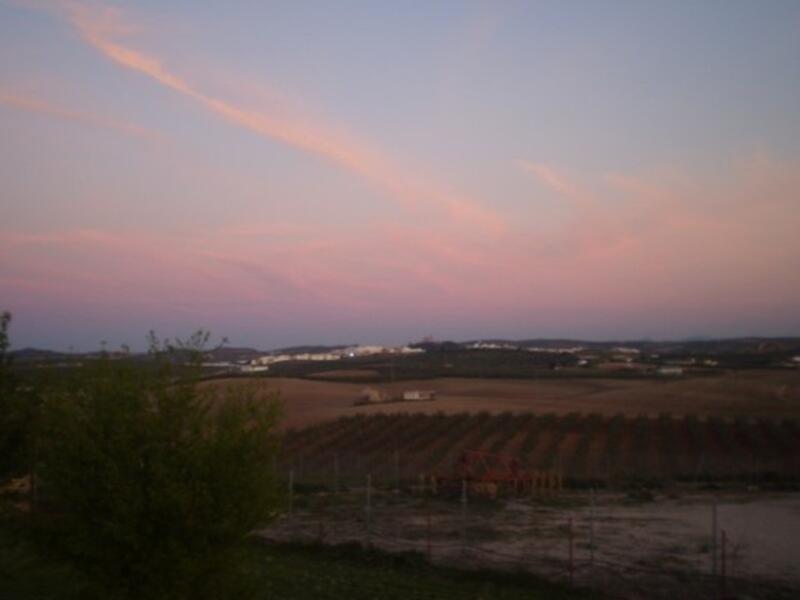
(699, 546)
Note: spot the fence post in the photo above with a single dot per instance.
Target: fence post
(591, 529)
(714, 537)
(291, 491)
(428, 549)
(369, 510)
(396, 469)
(723, 565)
(463, 516)
(336, 472)
(330, 532)
(571, 554)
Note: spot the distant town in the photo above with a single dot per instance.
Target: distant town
(639, 357)
(428, 358)
(262, 363)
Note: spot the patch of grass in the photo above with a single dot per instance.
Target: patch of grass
(296, 571)
(556, 501)
(27, 575)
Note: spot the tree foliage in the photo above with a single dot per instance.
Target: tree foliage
(149, 483)
(17, 411)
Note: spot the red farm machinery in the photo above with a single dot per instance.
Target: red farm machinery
(487, 474)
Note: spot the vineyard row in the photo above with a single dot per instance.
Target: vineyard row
(585, 448)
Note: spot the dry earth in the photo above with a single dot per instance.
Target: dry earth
(659, 549)
(765, 393)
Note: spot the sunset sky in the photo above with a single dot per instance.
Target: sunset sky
(340, 172)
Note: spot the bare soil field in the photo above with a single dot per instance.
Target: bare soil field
(757, 393)
(657, 549)
(650, 446)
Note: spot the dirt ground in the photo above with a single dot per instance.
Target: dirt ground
(772, 394)
(658, 549)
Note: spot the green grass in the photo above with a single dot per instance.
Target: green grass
(26, 575)
(295, 571)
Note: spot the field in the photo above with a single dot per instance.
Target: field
(584, 449)
(752, 393)
(656, 453)
(296, 571)
(606, 542)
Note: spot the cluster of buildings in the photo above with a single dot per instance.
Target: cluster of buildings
(793, 362)
(507, 346)
(611, 358)
(566, 350)
(337, 354)
(491, 346)
(262, 363)
(375, 396)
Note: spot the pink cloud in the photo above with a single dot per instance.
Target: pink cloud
(552, 177)
(657, 247)
(672, 239)
(34, 105)
(101, 27)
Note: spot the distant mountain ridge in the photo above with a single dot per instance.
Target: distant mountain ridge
(739, 345)
(309, 349)
(38, 354)
(697, 345)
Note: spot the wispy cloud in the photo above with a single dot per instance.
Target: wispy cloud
(657, 246)
(31, 104)
(104, 27)
(557, 180)
(596, 226)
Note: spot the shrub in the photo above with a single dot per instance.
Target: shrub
(150, 484)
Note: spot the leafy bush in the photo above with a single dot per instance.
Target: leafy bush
(149, 484)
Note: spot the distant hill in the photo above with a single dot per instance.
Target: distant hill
(310, 349)
(743, 345)
(760, 348)
(37, 354)
(232, 354)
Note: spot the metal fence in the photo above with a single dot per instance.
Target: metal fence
(682, 546)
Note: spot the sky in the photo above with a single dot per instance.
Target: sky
(285, 172)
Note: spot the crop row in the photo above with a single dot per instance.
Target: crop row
(613, 449)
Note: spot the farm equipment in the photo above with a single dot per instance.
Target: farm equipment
(489, 475)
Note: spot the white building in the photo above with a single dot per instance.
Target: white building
(419, 395)
(253, 368)
(671, 371)
(570, 350)
(410, 350)
(364, 350)
(492, 346)
(315, 356)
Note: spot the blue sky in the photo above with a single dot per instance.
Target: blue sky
(286, 172)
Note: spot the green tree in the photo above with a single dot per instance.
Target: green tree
(8, 442)
(5, 319)
(149, 482)
(24, 572)
(16, 413)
